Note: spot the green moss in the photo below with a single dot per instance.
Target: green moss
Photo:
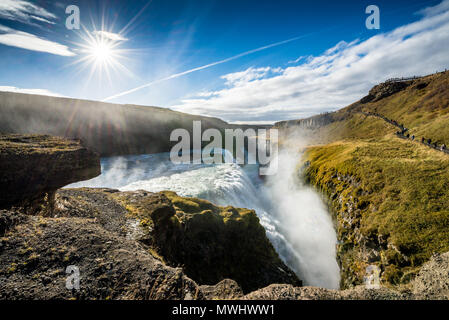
(185, 205)
(12, 268)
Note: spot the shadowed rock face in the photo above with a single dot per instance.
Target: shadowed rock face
(213, 243)
(33, 167)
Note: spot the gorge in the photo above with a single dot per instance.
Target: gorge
(349, 195)
(293, 215)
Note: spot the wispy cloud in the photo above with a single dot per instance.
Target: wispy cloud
(110, 35)
(431, 11)
(336, 78)
(42, 20)
(240, 78)
(25, 12)
(24, 40)
(180, 74)
(43, 92)
(297, 60)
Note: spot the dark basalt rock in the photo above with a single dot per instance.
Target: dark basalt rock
(33, 167)
(384, 90)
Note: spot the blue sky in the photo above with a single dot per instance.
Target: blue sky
(339, 58)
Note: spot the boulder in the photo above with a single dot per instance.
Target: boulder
(384, 90)
(226, 289)
(432, 281)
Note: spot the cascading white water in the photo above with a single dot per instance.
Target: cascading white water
(293, 216)
(305, 223)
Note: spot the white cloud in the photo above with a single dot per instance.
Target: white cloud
(431, 11)
(243, 77)
(110, 35)
(341, 75)
(42, 20)
(297, 60)
(43, 92)
(24, 11)
(24, 40)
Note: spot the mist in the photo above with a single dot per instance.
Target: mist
(305, 223)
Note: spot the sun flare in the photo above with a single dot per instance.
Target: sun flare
(101, 53)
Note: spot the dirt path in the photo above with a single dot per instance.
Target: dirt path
(404, 133)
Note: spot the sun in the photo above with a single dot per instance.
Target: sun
(101, 52)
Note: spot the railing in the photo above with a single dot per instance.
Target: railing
(402, 79)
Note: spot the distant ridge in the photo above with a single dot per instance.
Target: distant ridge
(110, 129)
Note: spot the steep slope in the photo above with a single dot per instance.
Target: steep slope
(421, 105)
(388, 192)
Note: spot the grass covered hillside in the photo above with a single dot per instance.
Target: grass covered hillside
(389, 195)
(390, 204)
(423, 107)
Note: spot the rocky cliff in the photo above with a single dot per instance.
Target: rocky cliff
(210, 243)
(33, 167)
(126, 245)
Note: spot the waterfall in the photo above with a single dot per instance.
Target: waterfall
(295, 219)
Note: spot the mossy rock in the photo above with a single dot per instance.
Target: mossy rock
(211, 243)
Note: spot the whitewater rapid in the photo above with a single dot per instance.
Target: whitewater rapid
(293, 215)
